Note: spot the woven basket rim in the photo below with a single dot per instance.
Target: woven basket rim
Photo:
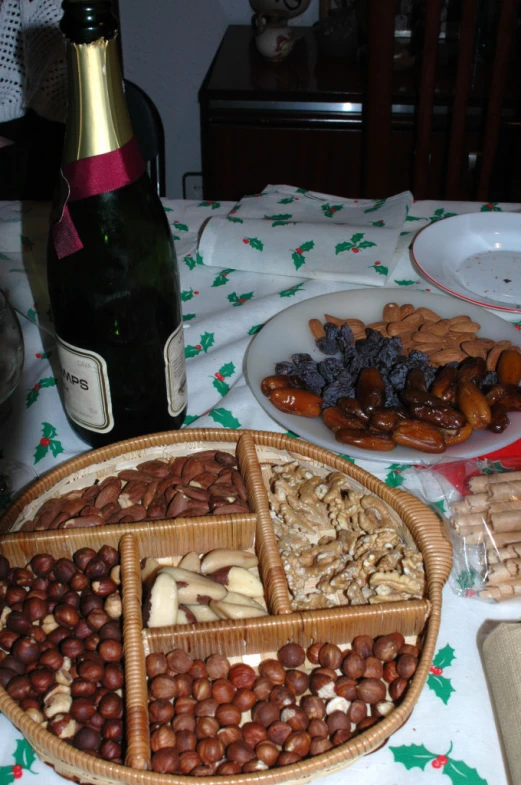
(75, 763)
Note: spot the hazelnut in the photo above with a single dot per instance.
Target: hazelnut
(341, 736)
(201, 689)
(112, 730)
(188, 761)
(407, 648)
(312, 653)
(282, 696)
(91, 642)
(198, 670)
(371, 690)
(163, 687)
(111, 750)
(165, 761)
(102, 587)
(162, 737)
(373, 668)
(82, 629)
(244, 699)
(66, 615)
(51, 658)
(397, 688)
(63, 726)
(254, 765)
(299, 742)
(265, 713)
(183, 684)
(35, 608)
(353, 665)
(7, 638)
(64, 569)
(273, 670)
(79, 582)
(206, 708)
(229, 768)
(15, 594)
(363, 646)
(56, 590)
(90, 602)
(26, 650)
(211, 750)
(204, 770)
(96, 722)
(183, 721)
(41, 679)
(385, 648)
(160, 711)
(330, 656)
(240, 751)
(223, 691)
(111, 631)
(297, 681)
(291, 655)
(19, 688)
(113, 677)
(19, 622)
(13, 664)
(110, 650)
(228, 714)
(83, 556)
(267, 752)
(111, 706)
(71, 598)
(318, 729)
(390, 672)
(217, 666)
(242, 676)
(186, 741)
(6, 674)
(35, 714)
(262, 688)
(338, 720)
(96, 569)
(287, 758)
(346, 688)
(406, 665)
(314, 707)
(319, 745)
(81, 688)
(357, 711)
(71, 647)
(82, 709)
(206, 727)
(22, 576)
(58, 634)
(42, 564)
(253, 733)
(296, 718)
(366, 723)
(229, 733)
(179, 661)
(397, 637)
(278, 732)
(383, 708)
(322, 685)
(109, 555)
(185, 705)
(90, 670)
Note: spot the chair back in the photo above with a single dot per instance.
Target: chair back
(463, 174)
(148, 128)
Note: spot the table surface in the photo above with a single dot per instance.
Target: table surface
(223, 309)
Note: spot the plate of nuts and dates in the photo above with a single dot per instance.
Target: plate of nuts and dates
(405, 376)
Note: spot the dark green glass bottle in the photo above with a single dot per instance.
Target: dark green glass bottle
(112, 270)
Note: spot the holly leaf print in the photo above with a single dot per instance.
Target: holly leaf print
(346, 458)
(224, 372)
(227, 370)
(366, 244)
(48, 430)
(330, 209)
(298, 259)
(288, 200)
(32, 315)
(207, 340)
(192, 351)
(210, 203)
(357, 237)
(292, 435)
(461, 774)
(232, 219)
(187, 294)
(444, 657)
(239, 299)
(40, 452)
(254, 243)
(395, 476)
(292, 291)
(180, 227)
(441, 686)
(168, 209)
(466, 579)
(490, 207)
(413, 756)
(222, 277)
(376, 206)
(308, 245)
(43, 355)
(221, 386)
(381, 269)
(55, 447)
(440, 506)
(439, 214)
(414, 218)
(302, 191)
(281, 219)
(255, 329)
(405, 282)
(340, 247)
(187, 317)
(378, 224)
(192, 262)
(225, 418)
(31, 397)
(27, 244)
(24, 754)
(190, 418)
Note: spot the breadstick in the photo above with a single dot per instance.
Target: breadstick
(506, 521)
(472, 503)
(504, 506)
(504, 572)
(503, 491)
(513, 551)
(469, 519)
(481, 482)
(497, 539)
(504, 538)
(502, 591)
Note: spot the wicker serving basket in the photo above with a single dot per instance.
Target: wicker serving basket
(417, 619)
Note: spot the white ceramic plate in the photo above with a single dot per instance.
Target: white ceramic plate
(288, 333)
(476, 257)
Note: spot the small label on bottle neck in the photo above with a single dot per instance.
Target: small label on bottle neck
(86, 389)
(175, 369)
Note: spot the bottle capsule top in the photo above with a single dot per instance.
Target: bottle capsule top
(85, 21)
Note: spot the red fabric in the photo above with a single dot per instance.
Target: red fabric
(509, 456)
(98, 174)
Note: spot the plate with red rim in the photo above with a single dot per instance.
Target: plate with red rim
(288, 333)
(475, 257)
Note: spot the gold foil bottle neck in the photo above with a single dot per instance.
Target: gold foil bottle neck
(98, 120)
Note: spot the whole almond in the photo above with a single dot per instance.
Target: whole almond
(391, 312)
(428, 316)
(474, 349)
(447, 356)
(399, 328)
(494, 354)
(406, 310)
(317, 328)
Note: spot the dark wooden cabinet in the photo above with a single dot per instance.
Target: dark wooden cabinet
(300, 122)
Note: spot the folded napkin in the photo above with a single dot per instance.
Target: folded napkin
(291, 231)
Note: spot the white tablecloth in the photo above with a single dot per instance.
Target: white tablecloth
(223, 309)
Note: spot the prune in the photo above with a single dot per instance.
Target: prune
(300, 358)
(345, 337)
(332, 331)
(313, 381)
(490, 378)
(330, 368)
(398, 375)
(390, 351)
(284, 368)
(326, 346)
(418, 357)
(337, 390)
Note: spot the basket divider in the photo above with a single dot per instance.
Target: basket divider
(270, 563)
(136, 699)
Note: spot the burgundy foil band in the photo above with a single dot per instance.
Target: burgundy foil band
(90, 177)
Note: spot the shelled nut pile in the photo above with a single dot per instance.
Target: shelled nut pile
(61, 649)
(204, 483)
(339, 546)
(214, 717)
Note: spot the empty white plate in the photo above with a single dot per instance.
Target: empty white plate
(476, 257)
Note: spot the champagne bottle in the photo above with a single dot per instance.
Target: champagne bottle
(112, 270)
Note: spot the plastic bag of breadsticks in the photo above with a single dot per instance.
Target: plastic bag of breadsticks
(480, 504)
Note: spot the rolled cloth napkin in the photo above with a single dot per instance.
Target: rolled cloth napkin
(502, 661)
(291, 231)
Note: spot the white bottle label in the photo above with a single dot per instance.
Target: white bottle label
(175, 369)
(86, 389)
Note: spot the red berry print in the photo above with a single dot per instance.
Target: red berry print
(470, 593)
(17, 771)
(517, 326)
(298, 250)
(435, 670)
(436, 764)
(198, 347)
(377, 263)
(427, 290)
(219, 376)
(333, 209)
(196, 292)
(36, 387)
(232, 212)
(44, 441)
(38, 355)
(440, 761)
(245, 241)
(490, 206)
(356, 250)
(241, 300)
(224, 275)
